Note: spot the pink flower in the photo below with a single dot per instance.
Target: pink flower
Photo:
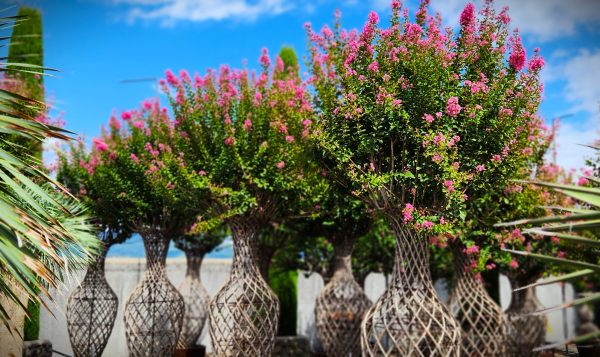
(442, 220)
(490, 266)
(561, 254)
(264, 59)
(536, 63)
(496, 158)
(428, 118)
(452, 107)
(513, 264)
(126, 115)
(280, 165)
(171, 78)
(436, 158)
(202, 173)
(306, 122)
(428, 224)
(229, 141)
(480, 168)
(449, 185)
(289, 138)
(283, 129)
(374, 66)
(407, 212)
(396, 102)
(138, 124)
(100, 145)
(582, 181)
(517, 57)
(134, 158)
(247, 124)
(472, 249)
(114, 123)
(467, 16)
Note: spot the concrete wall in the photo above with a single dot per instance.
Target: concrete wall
(124, 273)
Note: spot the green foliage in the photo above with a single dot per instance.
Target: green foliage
(31, 328)
(289, 58)
(26, 47)
(374, 251)
(285, 285)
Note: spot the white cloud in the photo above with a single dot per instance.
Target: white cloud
(570, 138)
(582, 74)
(168, 12)
(544, 20)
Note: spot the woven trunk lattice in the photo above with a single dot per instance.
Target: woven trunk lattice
(484, 326)
(409, 319)
(340, 306)
(526, 331)
(196, 300)
(154, 310)
(245, 312)
(91, 311)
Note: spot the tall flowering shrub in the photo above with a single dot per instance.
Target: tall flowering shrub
(135, 174)
(246, 133)
(422, 120)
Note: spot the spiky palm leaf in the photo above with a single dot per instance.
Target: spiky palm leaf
(44, 232)
(579, 226)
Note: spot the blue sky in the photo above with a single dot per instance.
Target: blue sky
(98, 43)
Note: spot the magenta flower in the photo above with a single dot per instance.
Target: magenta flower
(114, 123)
(229, 141)
(374, 66)
(449, 184)
(480, 168)
(247, 124)
(138, 124)
(472, 249)
(452, 107)
(100, 145)
(467, 16)
(280, 165)
(428, 224)
(126, 115)
(134, 158)
(428, 118)
(517, 57)
(513, 264)
(289, 138)
(264, 59)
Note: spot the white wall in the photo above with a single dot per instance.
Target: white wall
(124, 273)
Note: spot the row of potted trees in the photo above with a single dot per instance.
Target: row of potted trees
(409, 122)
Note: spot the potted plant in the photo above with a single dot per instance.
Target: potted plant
(420, 120)
(245, 133)
(141, 177)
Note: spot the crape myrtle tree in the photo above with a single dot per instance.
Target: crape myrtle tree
(92, 307)
(246, 133)
(421, 120)
(139, 178)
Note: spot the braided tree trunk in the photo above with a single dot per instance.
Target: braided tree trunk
(245, 313)
(341, 305)
(409, 319)
(526, 331)
(196, 300)
(91, 311)
(154, 310)
(484, 326)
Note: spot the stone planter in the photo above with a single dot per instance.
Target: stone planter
(91, 311)
(341, 305)
(409, 319)
(526, 331)
(244, 314)
(154, 310)
(484, 326)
